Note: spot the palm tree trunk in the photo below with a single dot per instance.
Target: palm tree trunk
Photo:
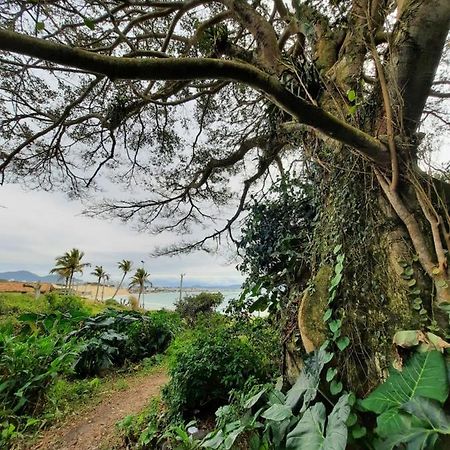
(120, 285)
(70, 281)
(98, 286)
(103, 290)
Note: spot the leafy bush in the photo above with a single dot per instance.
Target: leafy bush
(191, 307)
(29, 367)
(65, 304)
(207, 367)
(113, 337)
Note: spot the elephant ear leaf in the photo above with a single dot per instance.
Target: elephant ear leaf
(311, 434)
(425, 374)
(420, 428)
(305, 388)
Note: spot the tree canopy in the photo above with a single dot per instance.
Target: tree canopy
(178, 97)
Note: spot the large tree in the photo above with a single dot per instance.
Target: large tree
(177, 98)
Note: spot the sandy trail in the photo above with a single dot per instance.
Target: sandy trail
(94, 428)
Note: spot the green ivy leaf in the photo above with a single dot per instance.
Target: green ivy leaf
(343, 343)
(327, 315)
(89, 23)
(337, 249)
(352, 419)
(331, 373)
(336, 387)
(335, 325)
(40, 26)
(351, 95)
(358, 432)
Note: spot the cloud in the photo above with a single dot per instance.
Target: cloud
(37, 226)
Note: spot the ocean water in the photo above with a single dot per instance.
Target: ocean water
(167, 299)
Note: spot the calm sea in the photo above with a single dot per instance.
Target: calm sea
(167, 299)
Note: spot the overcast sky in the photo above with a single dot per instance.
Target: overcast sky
(38, 226)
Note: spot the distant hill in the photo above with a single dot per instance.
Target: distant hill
(25, 275)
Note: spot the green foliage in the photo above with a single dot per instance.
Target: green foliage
(63, 395)
(267, 418)
(28, 367)
(12, 304)
(114, 337)
(410, 404)
(310, 433)
(65, 303)
(207, 367)
(276, 242)
(192, 306)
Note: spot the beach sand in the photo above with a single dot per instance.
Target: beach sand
(88, 291)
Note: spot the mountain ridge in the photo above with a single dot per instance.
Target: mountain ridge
(27, 276)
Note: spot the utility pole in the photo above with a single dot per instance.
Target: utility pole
(181, 285)
(143, 288)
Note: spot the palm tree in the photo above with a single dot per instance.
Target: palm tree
(125, 266)
(105, 278)
(99, 273)
(139, 279)
(69, 264)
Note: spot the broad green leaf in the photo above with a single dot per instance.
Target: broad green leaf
(392, 422)
(307, 383)
(277, 413)
(253, 400)
(310, 434)
(213, 440)
(229, 441)
(429, 411)
(424, 375)
(279, 430)
(40, 26)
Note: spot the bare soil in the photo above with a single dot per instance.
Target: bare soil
(94, 428)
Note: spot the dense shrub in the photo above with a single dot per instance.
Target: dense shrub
(29, 367)
(207, 367)
(114, 337)
(191, 307)
(65, 303)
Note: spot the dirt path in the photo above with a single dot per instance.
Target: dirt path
(94, 428)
